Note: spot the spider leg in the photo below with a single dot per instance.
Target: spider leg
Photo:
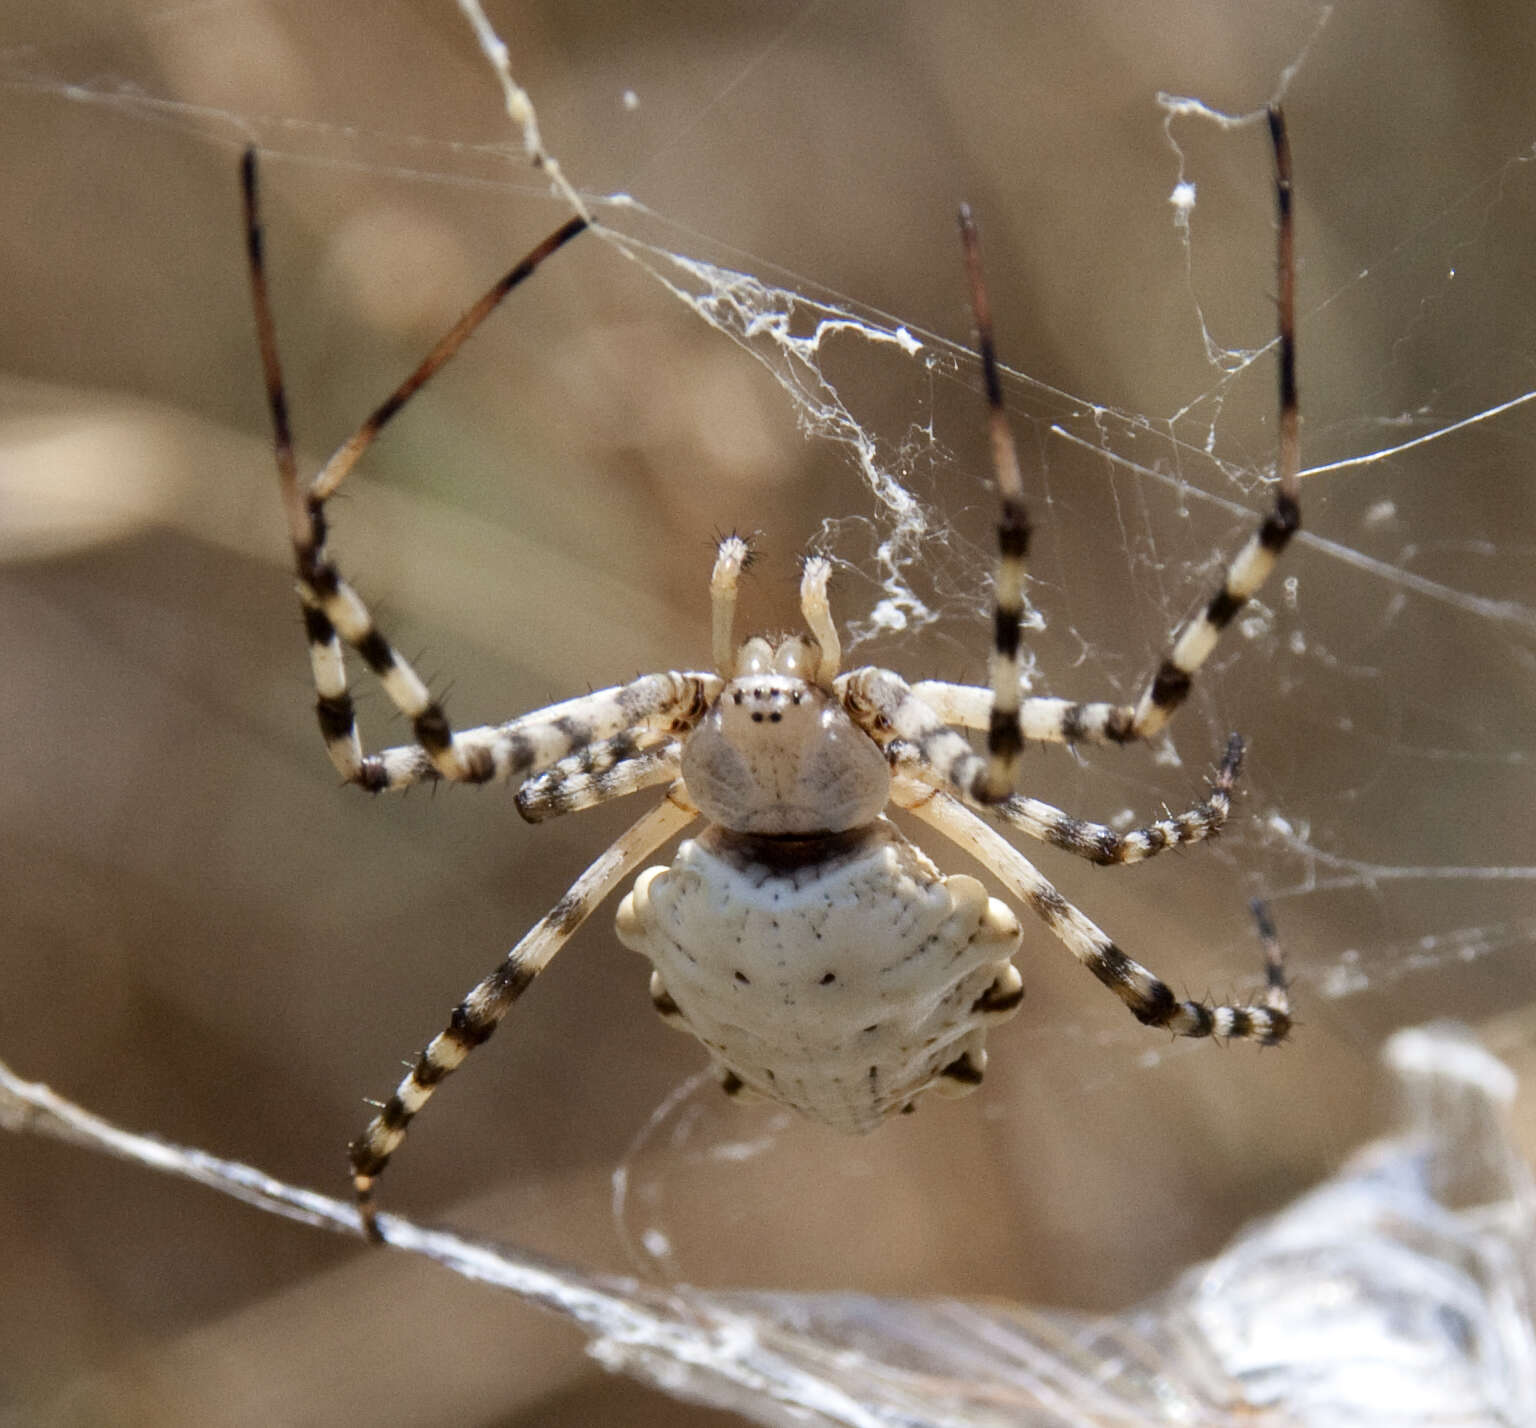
(910, 731)
(1254, 563)
(608, 769)
(1097, 842)
(1008, 717)
(1043, 718)
(732, 556)
(333, 611)
(1005, 738)
(886, 707)
(654, 704)
(1149, 999)
(817, 611)
(478, 1015)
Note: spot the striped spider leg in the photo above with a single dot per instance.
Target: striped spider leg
(1011, 719)
(916, 737)
(1148, 997)
(333, 612)
(488, 1002)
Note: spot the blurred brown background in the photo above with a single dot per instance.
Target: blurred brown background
(205, 937)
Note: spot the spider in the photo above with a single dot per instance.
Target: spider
(821, 958)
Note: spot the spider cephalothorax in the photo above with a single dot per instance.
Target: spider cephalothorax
(777, 755)
(821, 958)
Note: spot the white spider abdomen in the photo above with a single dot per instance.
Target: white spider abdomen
(839, 976)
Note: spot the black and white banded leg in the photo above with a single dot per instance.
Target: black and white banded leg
(1009, 717)
(608, 769)
(333, 612)
(916, 739)
(1150, 999)
(643, 712)
(1005, 741)
(1098, 843)
(479, 1014)
(1094, 842)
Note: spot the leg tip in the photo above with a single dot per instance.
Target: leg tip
(367, 1211)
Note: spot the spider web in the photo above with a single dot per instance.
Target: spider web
(783, 349)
